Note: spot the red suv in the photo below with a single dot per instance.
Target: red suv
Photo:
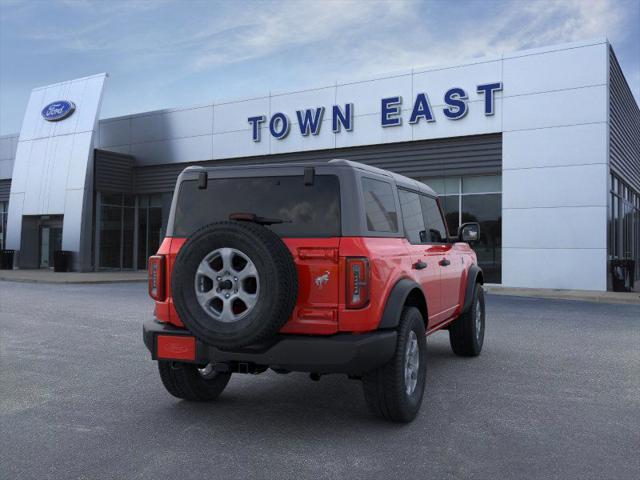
(332, 267)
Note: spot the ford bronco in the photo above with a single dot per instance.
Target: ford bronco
(333, 267)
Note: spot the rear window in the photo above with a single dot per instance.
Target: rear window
(307, 210)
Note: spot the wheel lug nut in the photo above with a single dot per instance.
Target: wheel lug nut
(218, 278)
(235, 278)
(226, 295)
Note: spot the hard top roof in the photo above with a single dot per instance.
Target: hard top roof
(400, 180)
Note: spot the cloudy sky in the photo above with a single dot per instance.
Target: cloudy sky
(164, 53)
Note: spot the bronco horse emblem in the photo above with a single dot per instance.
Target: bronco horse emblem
(322, 279)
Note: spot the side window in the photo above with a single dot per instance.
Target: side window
(380, 207)
(412, 217)
(436, 232)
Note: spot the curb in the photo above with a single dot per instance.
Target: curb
(69, 282)
(632, 299)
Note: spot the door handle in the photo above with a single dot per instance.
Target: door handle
(419, 265)
(444, 262)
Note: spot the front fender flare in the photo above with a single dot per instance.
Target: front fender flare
(474, 276)
(396, 301)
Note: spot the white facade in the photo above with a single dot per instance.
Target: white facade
(52, 168)
(552, 113)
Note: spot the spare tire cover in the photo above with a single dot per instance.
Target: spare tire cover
(234, 284)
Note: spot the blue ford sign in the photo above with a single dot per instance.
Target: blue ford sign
(455, 107)
(56, 111)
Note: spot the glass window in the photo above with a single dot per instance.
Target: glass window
(143, 213)
(111, 199)
(433, 220)
(451, 206)
(412, 217)
(487, 211)
(306, 210)
(155, 200)
(3, 223)
(116, 230)
(451, 185)
(480, 200)
(443, 186)
(379, 205)
(436, 184)
(128, 225)
(155, 230)
(149, 227)
(110, 236)
(624, 233)
(484, 184)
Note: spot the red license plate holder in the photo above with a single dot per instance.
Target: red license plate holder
(175, 347)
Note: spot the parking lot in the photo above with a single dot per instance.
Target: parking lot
(555, 394)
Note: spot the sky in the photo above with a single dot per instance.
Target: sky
(165, 53)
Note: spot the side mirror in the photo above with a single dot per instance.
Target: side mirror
(469, 232)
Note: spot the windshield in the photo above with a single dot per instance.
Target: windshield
(306, 210)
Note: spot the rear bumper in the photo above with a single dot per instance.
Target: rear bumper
(340, 353)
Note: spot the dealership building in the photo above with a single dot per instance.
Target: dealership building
(542, 147)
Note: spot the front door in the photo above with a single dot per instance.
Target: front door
(441, 249)
(428, 257)
(425, 258)
(452, 270)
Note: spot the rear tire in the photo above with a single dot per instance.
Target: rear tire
(392, 392)
(188, 382)
(466, 334)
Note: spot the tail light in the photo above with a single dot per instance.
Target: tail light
(357, 282)
(156, 277)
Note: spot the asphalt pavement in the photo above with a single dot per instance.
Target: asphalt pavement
(555, 394)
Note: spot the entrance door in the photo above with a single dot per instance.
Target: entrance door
(45, 258)
(50, 241)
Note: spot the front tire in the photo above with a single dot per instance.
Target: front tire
(395, 390)
(466, 334)
(189, 382)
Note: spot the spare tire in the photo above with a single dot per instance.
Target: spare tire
(234, 284)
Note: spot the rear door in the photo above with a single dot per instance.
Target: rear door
(424, 257)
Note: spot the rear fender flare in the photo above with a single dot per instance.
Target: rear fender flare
(403, 292)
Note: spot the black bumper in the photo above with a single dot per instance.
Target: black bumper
(340, 353)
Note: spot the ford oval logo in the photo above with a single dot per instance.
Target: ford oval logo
(177, 349)
(56, 111)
